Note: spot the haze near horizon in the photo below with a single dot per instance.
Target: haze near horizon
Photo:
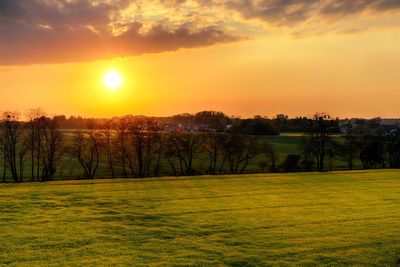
(168, 57)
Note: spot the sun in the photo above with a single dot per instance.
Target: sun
(112, 80)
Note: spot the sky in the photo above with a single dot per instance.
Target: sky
(242, 57)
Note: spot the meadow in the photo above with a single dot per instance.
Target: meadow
(335, 218)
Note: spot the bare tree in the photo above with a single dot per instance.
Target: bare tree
(40, 124)
(320, 137)
(13, 147)
(86, 149)
(23, 149)
(158, 151)
(122, 136)
(239, 151)
(213, 144)
(307, 153)
(109, 134)
(52, 148)
(144, 138)
(33, 117)
(180, 151)
(349, 150)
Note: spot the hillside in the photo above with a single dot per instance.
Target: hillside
(307, 218)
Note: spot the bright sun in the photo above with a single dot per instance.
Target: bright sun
(112, 79)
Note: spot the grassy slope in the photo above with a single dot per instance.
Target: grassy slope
(308, 218)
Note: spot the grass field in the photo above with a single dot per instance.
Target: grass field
(250, 220)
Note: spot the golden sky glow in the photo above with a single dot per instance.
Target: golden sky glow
(297, 59)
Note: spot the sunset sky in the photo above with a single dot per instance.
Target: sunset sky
(242, 57)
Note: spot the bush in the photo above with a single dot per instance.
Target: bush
(291, 163)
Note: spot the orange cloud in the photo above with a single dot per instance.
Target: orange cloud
(57, 31)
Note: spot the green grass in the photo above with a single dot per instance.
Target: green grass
(337, 218)
(284, 144)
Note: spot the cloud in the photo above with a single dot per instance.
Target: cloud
(282, 12)
(57, 31)
(290, 12)
(45, 31)
(42, 45)
(386, 5)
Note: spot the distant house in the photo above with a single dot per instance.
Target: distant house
(392, 133)
(344, 129)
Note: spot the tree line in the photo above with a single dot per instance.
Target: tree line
(374, 146)
(37, 149)
(204, 121)
(34, 150)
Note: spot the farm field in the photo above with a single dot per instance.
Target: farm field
(249, 220)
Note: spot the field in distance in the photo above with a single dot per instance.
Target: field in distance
(283, 144)
(249, 220)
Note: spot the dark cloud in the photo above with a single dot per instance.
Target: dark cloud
(36, 31)
(55, 31)
(386, 5)
(49, 46)
(278, 12)
(290, 12)
(343, 8)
